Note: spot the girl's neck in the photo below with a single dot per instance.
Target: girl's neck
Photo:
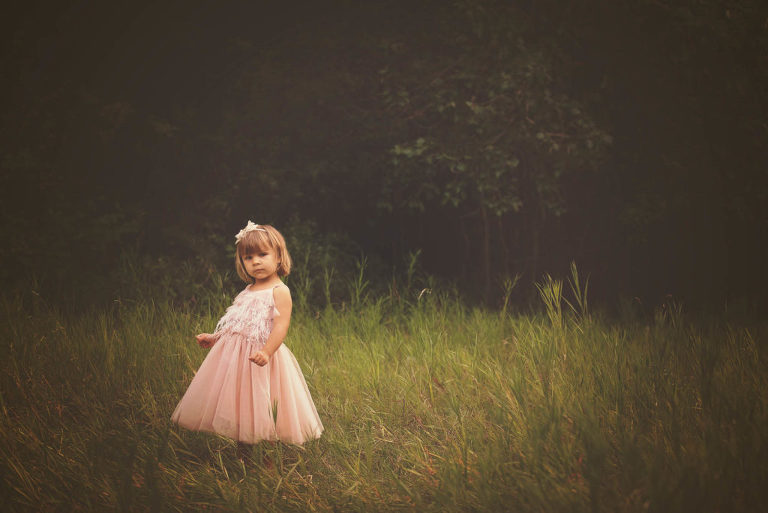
(267, 283)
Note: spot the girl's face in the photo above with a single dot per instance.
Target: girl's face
(261, 263)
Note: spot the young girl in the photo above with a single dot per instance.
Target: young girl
(250, 386)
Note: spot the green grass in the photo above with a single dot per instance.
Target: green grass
(428, 405)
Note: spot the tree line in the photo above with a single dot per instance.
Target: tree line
(499, 138)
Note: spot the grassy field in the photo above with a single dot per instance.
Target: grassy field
(428, 405)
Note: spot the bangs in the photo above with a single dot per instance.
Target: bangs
(255, 241)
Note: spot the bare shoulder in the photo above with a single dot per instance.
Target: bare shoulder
(282, 294)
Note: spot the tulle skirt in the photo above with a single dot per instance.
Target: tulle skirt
(234, 397)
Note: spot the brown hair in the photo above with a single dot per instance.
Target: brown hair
(264, 237)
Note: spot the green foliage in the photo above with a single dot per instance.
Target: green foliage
(486, 123)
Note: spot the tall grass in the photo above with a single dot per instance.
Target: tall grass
(428, 405)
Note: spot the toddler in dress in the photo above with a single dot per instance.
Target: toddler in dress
(250, 386)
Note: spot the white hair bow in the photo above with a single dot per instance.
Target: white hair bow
(248, 228)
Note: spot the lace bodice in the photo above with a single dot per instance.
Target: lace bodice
(251, 315)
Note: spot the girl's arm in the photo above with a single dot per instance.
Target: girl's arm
(280, 325)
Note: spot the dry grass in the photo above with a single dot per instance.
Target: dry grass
(428, 406)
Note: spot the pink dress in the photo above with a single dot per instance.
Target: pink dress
(234, 397)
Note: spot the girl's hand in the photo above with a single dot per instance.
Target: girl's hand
(205, 340)
(259, 358)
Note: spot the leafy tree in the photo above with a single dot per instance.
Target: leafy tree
(487, 126)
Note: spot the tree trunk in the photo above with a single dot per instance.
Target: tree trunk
(535, 246)
(504, 248)
(486, 254)
(466, 269)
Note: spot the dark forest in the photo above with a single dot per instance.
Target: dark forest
(493, 139)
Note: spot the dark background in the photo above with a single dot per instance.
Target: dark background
(499, 138)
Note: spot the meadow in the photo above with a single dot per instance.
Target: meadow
(428, 405)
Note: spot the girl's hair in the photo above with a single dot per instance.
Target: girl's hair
(265, 237)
